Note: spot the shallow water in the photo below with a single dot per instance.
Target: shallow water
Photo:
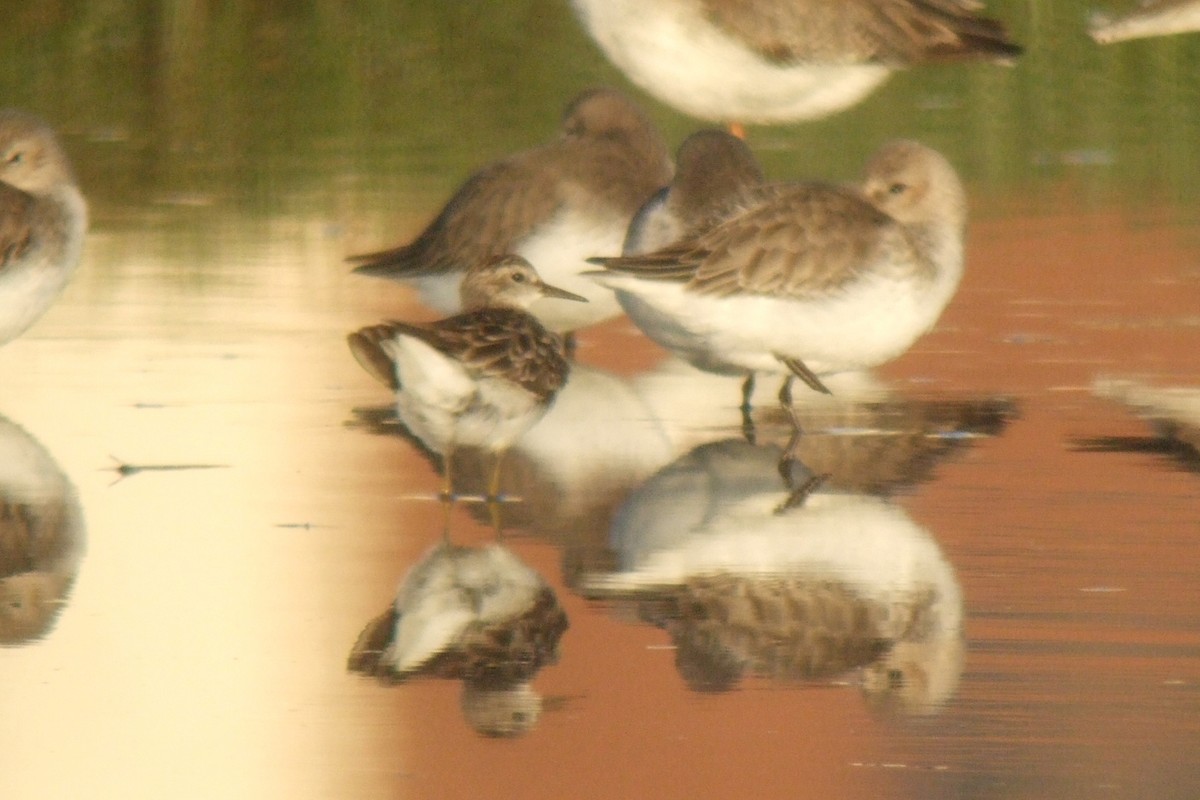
(1015, 499)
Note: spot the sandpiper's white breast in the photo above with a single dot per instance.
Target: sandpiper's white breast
(440, 403)
(865, 325)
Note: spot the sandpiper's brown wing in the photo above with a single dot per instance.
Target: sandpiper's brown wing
(810, 242)
(366, 344)
(487, 216)
(16, 224)
(504, 343)
(862, 31)
(489, 342)
(805, 241)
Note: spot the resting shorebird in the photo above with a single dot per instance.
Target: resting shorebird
(481, 378)
(43, 218)
(771, 61)
(713, 170)
(555, 205)
(815, 279)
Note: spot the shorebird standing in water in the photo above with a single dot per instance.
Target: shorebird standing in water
(713, 171)
(480, 378)
(814, 279)
(43, 218)
(555, 205)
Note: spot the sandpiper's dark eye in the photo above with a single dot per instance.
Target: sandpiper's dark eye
(15, 157)
(518, 277)
(898, 188)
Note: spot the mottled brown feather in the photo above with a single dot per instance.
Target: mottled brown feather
(806, 241)
(781, 627)
(489, 342)
(488, 216)
(494, 654)
(608, 153)
(893, 32)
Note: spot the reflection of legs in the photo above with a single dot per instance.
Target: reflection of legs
(493, 506)
(747, 421)
(447, 476)
(796, 494)
(493, 489)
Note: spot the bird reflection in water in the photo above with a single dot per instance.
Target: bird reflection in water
(474, 614)
(607, 434)
(41, 537)
(821, 618)
(844, 582)
(1173, 414)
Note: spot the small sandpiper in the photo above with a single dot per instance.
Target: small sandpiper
(43, 218)
(555, 205)
(481, 378)
(772, 61)
(815, 279)
(713, 171)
